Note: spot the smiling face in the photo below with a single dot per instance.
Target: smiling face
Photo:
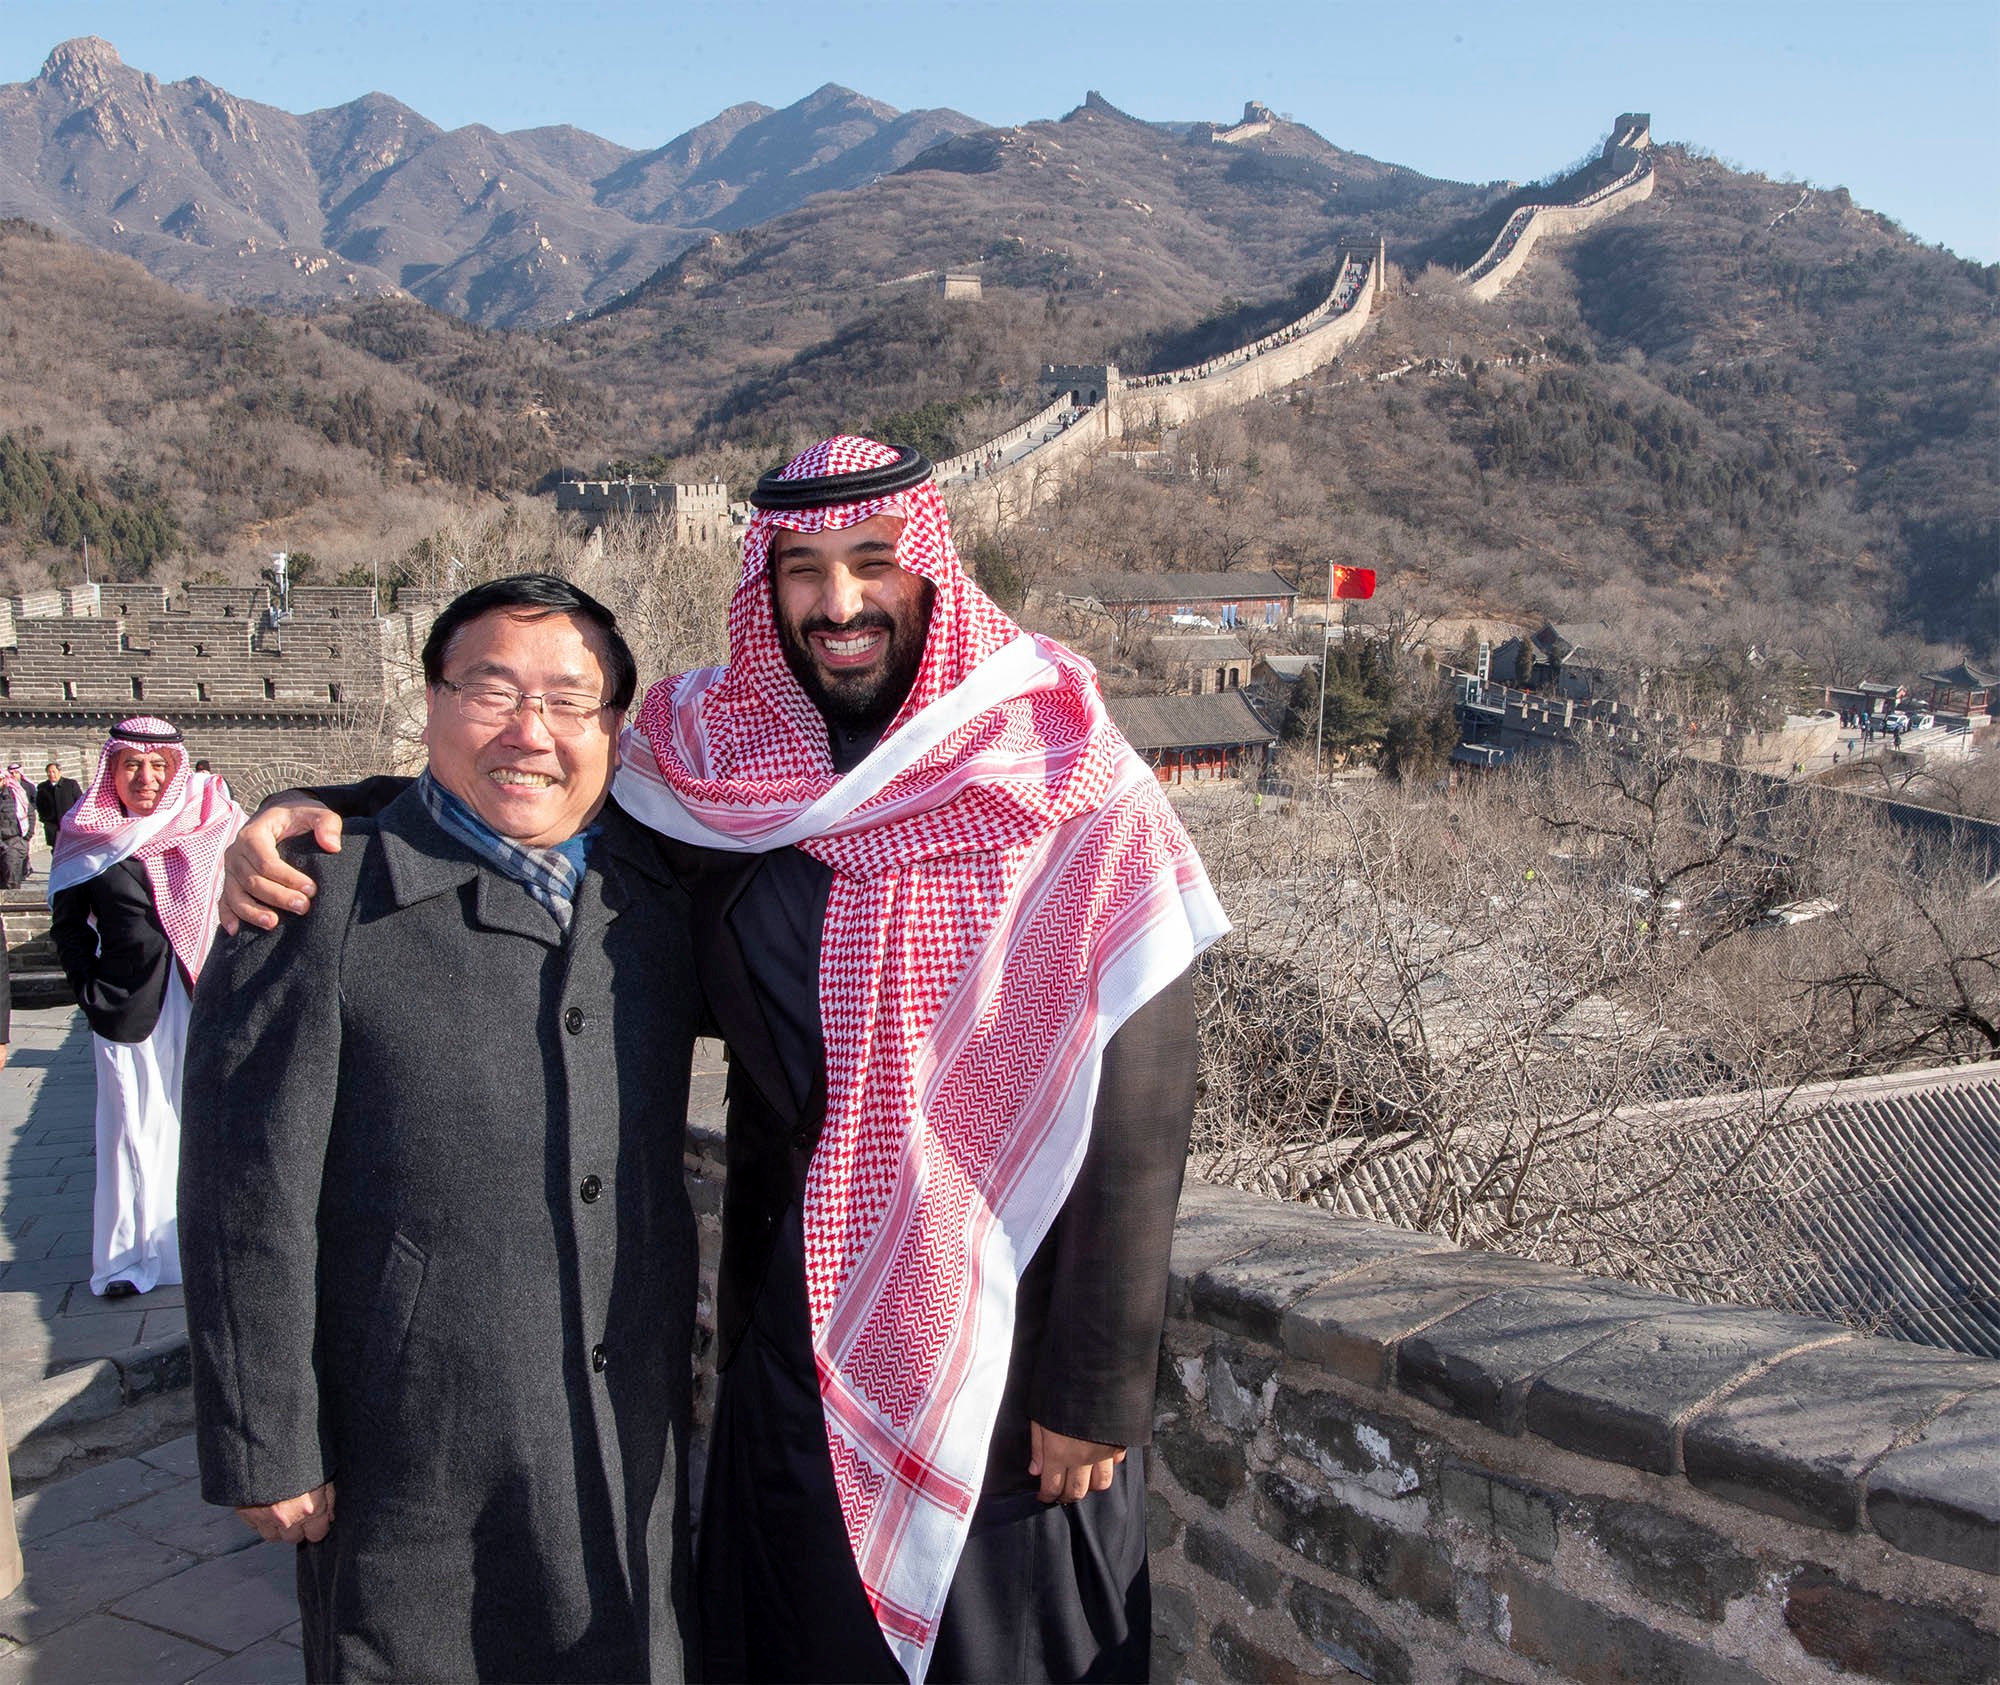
(528, 783)
(139, 778)
(851, 621)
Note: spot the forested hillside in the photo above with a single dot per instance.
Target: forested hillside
(1647, 431)
(1741, 412)
(178, 434)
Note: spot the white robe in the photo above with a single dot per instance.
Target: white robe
(134, 1232)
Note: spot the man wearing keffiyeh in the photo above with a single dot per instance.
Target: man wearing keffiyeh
(946, 931)
(944, 917)
(439, 1253)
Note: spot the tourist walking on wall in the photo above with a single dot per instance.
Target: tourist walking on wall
(17, 825)
(134, 885)
(55, 796)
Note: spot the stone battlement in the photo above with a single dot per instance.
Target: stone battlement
(1092, 404)
(699, 509)
(1374, 1451)
(250, 690)
(1377, 1450)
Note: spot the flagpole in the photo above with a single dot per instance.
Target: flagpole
(1325, 638)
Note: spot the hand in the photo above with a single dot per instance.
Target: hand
(3, 1055)
(257, 885)
(299, 1520)
(1070, 1467)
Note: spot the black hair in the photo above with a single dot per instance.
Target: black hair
(537, 593)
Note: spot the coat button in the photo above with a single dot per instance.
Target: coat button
(573, 1020)
(591, 1188)
(598, 1359)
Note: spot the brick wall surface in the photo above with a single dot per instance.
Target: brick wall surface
(267, 704)
(1380, 1456)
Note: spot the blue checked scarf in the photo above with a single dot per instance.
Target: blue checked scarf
(550, 875)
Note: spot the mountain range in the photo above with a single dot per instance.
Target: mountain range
(250, 204)
(1739, 401)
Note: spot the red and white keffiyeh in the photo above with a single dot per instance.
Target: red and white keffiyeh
(1010, 885)
(180, 843)
(23, 799)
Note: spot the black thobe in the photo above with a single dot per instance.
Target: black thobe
(1042, 1591)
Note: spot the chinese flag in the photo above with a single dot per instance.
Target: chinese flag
(1354, 582)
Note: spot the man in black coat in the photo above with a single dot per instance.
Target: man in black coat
(54, 797)
(439, 1252)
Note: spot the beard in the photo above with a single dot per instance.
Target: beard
(870, 696)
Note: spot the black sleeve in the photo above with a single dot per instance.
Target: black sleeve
(262, 1075)
(351, 801)
(1100, 1346)
(75, 941)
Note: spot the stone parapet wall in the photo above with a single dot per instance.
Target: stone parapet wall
(267, 703)
(1155, 401)
(1348, 281)
(169, 661)
(1004, 496)
(1517, 238)
(956, 467)
(1379, 1454)
(1176, 405)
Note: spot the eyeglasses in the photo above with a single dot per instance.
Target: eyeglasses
(565, 712)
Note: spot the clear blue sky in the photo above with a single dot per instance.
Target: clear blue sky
(1894, 99)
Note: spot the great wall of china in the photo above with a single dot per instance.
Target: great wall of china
(1094, 404)
(259, 691)
(998, 482)
(1630, 146)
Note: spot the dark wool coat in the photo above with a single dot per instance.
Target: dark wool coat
(439, 1251)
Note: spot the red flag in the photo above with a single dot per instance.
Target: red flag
(1353, 582)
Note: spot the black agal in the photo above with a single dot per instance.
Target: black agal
(911, 468)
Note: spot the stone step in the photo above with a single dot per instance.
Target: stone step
(42, 985)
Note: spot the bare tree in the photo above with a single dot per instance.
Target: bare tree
(1565, 1013)
(1422, 1016)
(671, 599)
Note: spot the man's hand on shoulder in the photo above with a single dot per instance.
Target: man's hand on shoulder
(1070, 1468)
(257, 883)
(300, 1520)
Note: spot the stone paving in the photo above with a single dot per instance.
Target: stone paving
(50, 1323)
(132, 1578)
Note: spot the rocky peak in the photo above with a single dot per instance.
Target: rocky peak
(83, 67)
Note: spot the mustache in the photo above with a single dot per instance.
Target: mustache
(868, 620)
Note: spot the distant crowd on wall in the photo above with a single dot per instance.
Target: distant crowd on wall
(1346, 289)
